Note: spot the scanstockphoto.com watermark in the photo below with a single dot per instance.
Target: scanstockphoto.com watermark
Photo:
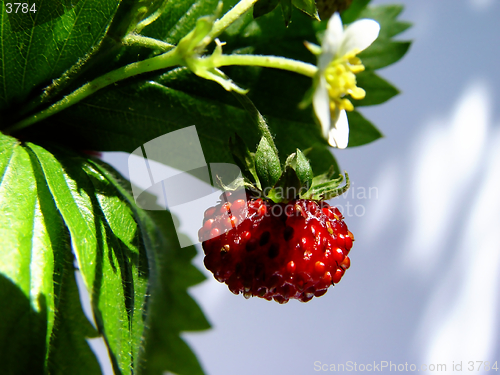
(389, 366)
(357, 195)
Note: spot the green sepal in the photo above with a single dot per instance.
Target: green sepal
(240, 183)
(263, 7)
(324, 177)
(287, 188)
(192, 41)
(324, 190)
(286, 9)
(267, 164)
(303, 169)
(295, 180)
(308, 7)
(244, 159)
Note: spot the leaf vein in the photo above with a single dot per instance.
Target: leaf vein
(77, 15)
(28, 52)
(7, 166)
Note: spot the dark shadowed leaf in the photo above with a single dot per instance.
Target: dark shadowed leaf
(385, 51)
(378, 90)
(262, 7)
(361, 131)
(39, 46)
(352, 13)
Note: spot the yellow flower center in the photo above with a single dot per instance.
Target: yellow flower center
(341, 80)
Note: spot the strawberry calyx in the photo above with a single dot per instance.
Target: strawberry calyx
(265, 176)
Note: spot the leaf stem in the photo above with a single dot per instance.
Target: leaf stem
(155, 63)
(231, 16)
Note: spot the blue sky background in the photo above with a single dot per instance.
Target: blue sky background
(424, 284)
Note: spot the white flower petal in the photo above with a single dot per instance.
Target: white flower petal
(321, 104)
(359, 35)
(331, 41)
(339, 133)
(334, 33)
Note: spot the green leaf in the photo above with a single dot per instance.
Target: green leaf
(29, 304)
(385, 51)
(352, 13)
(85, 56)
(38, 47)
(286, 9)
(267, 164)
(179, 18)
(171, 309)
(386, 16)
(307, 6)
(39, 302)
(378, 90)
(68, 202)
(380, 55)
(262, 7)
(108, 250)
(69, 350)
(130, 13)
(244, 158)
(361, 131)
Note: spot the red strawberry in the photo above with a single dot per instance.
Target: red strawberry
(275, 250)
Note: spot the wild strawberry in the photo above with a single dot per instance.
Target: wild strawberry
(288, 244)
(277, 250)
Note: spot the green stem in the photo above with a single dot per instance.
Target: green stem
(276, 62)
(155, 63)
(153, 17)
(231, 16)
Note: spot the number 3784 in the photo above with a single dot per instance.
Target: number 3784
(20, 8)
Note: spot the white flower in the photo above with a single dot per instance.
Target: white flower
(337, 66)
